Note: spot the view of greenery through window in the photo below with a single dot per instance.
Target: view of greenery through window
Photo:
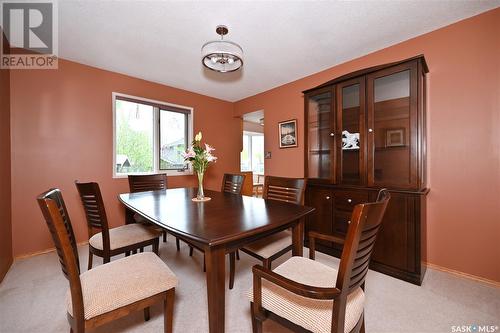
(134, 142)
(252, 155)
(172, 140)
(134, 137)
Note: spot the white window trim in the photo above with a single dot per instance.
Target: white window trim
(156, 139)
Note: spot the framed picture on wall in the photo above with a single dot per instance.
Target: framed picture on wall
(395, 137)
(288, 133)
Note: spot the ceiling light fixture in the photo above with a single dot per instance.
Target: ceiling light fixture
(222, 55)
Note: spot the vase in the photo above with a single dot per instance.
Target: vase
(200, 195)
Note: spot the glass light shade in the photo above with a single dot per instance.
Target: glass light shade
(222, 56)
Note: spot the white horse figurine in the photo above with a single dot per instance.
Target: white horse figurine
(350, 140)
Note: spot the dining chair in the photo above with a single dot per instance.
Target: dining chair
(110, 291)
(143, 183)
(233, 184)
(258, 186)
(105, 242)
(272, 247)
(247, 188)
(307, 296)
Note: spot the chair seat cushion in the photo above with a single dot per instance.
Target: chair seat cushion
(125, 235)
(122, 282)
(268, 246)
(313, 315)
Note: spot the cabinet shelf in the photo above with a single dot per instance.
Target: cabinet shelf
(319, 128)
(402, 147)
(319, 151)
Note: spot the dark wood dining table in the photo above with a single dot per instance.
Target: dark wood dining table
(219, 226)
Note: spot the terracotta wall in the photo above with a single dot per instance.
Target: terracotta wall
(62, 131)
(5, 193)
(464, 136)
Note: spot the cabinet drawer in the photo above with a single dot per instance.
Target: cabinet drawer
(346, 200)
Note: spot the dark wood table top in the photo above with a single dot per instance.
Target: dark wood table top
(225, 218)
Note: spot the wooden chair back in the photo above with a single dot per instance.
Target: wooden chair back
(360, 239)
(284, 189)
(232, 183)
(142, 183)
(247, 188)
(56, 216)
(97, 221)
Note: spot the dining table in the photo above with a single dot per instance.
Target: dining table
(219, 226)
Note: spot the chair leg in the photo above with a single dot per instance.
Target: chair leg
(177, 244)
(105, 260)
(256, 323)
(164, 236)
(156, 246)
(204, 263)
(190, 251)
(146, 314)
(237, 254)
(134, 251)
(142, 249)
(127, 253)
(91, 256)
(232, 262)
(168, 313)
(362, 329)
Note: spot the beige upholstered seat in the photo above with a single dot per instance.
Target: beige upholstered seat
(126, 235)
(311, 314)
(271, 245)
(122, 282)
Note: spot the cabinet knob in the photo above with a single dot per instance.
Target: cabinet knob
(370, 130)
(349, 200)
(349, 222)
(327, 197)
(332, 134)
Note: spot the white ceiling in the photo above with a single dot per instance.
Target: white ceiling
(160, 41)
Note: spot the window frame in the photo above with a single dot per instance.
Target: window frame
(157, 106)
(187, 142)
(250, 134)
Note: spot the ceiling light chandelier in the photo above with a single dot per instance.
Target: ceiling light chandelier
(222, 55)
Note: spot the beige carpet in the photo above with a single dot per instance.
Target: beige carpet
(32, 299)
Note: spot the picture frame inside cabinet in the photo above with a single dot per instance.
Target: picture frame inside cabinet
(395, 137)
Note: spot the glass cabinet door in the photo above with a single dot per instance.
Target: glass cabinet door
(392, 126)
(351, 126)
(320, 147)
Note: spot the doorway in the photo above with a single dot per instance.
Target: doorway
(252, 155)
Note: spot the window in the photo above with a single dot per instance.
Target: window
(149, 136)
(252, 155)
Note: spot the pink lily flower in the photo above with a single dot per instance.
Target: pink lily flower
(209, 148)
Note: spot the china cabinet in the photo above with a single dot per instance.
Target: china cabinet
(365, 131)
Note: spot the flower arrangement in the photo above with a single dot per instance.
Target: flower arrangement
(199, 156)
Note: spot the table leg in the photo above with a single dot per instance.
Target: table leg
(216, 276)
(298, 238)
(129, 216)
